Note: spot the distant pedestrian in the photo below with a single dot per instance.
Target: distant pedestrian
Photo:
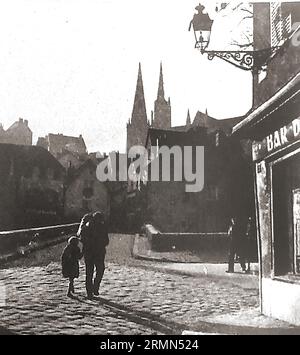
(94, 236)
(237, 246)
(70, 263)
(250, 242)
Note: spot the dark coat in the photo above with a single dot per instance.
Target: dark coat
(236, 234)
(94, 238)
(70, 261)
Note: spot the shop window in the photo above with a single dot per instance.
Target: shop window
(286, 216)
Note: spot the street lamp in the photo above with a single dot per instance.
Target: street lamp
(201, 24)
(243, 59)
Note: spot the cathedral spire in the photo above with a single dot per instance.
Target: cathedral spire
(139, 113)
(137, 128)
(188, 119)
(161, 90)
(162, 108)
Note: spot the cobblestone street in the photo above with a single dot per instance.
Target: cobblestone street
(36, 300)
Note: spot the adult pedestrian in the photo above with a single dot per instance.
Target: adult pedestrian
(251, 242)
(237, 246)
(94, 237)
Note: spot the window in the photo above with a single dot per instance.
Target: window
(212, 192)
(172, 200)
(50, 174)
(43, 173)
(186, 197)
(88, 192)
(57, 175)
(281, 23)
(85, 205)
(217, 139)
(286, 216)
(92, 171)
(36, 172)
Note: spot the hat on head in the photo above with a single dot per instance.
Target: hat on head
(73, 240)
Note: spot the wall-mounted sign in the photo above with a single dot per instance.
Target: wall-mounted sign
(278, 139)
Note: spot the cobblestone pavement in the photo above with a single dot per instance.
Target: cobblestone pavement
(36, 301)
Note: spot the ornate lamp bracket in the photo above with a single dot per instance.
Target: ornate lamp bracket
(246, 60)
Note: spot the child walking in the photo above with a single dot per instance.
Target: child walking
(70, 263)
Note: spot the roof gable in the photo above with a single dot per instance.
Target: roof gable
(60, 142)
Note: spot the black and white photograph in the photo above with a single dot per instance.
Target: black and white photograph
(149, 170)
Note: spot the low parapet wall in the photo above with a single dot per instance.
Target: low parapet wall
(26, 240)
(214, 244)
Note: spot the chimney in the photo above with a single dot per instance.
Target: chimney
(21, 120)
(26, 122)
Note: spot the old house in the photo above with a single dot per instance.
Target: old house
(71, 160)
(18, 133)
(85, 193)
(31, 187)
(58, 144)
(273, 125)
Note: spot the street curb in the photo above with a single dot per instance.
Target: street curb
(144, 318)
(168, 327)
(233, 278)
(136, 255)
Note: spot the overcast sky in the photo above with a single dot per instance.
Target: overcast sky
(70, 66)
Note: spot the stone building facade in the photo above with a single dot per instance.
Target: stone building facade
(85, 193)
(31, 187)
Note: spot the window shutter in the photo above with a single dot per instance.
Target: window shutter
(281, 23)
